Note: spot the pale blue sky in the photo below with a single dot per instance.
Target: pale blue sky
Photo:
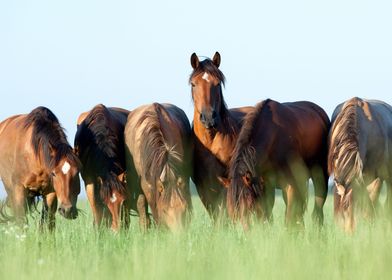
(70, 55)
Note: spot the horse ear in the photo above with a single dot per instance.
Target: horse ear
(225, 182)
(194, 61)
(216, 59)
(122, 177)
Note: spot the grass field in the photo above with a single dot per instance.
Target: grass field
(77, 251)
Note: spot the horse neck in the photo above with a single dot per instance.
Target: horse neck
(227, 130)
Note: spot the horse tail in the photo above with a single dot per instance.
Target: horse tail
(344, 158)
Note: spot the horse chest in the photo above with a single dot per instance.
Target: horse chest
(222, 153)
(219, 148)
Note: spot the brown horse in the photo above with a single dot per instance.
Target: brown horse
(99, 143)
(360, 157)
(36, 160)
(215, 131)
(158, 163)
(280, 145)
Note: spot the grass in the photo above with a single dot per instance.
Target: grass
(77, 251)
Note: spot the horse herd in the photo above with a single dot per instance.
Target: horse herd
(144, 158)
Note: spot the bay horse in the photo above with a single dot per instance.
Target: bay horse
(215, 131)
(280, 145)
(360, 158)
(157, 139)
(37, 160)
(99, 144)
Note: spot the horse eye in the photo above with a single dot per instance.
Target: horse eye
(53, 174)
(192, 84)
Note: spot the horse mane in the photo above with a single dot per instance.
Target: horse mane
(244, 160)
(156, 155)
(210, 68)
(343, 156)
(48, 135)
(105, 149)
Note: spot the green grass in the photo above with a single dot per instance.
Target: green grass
(77, 251)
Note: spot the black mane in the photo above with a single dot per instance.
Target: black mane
(243, 161)
(101, 148)
(48, 136)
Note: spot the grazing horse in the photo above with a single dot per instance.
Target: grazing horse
(360, 157)
(215, 131)
(280, 145)
(158, 163)
(99, 143)
(36, 160)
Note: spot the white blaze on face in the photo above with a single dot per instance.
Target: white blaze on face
(66, 167)
(113, 198)
(206, 77)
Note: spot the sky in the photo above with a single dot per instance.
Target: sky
(71, 55)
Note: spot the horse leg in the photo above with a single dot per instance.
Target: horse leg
(388, 201)
(96, 206)
(373, 190)
(144, 220)
(125, 214)
(268, 201)
(295, 207)
(320, 182)
(19, 205)
(49, 212)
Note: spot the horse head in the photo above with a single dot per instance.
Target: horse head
(173, 202)
(66, 183)
(206, 81)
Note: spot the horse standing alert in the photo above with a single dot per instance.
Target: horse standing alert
(215, 131)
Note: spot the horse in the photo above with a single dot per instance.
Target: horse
(215, 131)
(280, 145)
(158, 160)
(360, 158)
(99, 144)
(37, 160)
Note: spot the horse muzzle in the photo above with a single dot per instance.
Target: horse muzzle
(68, 212)
(209, 120)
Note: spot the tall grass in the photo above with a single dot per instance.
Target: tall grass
(204, 251)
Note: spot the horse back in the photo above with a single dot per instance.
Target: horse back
(375, 135)
(239, 113)
(363, 128)
(157, 120)
(293, 129)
